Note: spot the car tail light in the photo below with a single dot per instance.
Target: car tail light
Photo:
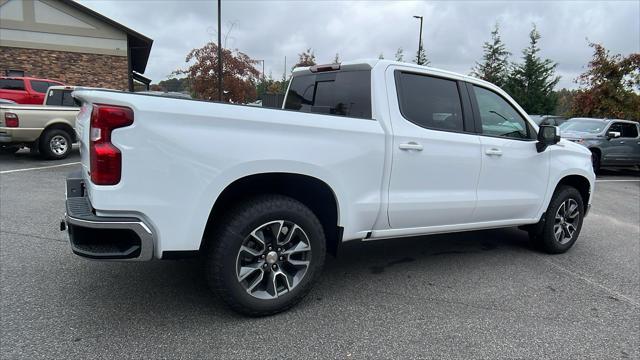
(106, 159)
(11, 120)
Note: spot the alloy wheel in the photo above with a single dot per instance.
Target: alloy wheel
(566, 221)
(58, 145)
(273, 259)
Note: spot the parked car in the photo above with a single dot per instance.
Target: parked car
(552, 120)
(25, 90)
(612, 142)
(47, 128)
(361, 151)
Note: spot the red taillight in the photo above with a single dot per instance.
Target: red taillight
(106, 160)
(11, 120)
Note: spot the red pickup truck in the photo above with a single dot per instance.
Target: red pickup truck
(25, 90)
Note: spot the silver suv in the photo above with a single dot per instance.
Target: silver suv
(612, 142)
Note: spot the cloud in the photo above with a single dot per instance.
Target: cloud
(453, 31)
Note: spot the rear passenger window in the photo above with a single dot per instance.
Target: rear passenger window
(39, 86)
(11, 84)
(343, 93)
(430, 102)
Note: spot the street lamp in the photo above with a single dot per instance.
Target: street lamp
(263, 77)
(219, 51)
(420, 40)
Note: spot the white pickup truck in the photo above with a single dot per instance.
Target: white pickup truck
(360, 151)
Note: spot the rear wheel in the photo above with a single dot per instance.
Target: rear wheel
(561, 224)
(55, 144)
(265, 255)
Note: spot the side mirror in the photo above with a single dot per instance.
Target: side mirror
(613, 134)
(547, 135)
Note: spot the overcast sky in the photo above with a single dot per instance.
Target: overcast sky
(454, 31)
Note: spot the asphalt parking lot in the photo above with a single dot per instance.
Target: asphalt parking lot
(480, 294)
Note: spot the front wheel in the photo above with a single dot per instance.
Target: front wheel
(265, 255)
(562, 222)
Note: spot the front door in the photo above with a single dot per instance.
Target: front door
(436, 156)
(514, 176)
(623, 150)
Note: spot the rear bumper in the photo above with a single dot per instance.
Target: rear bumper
(102, 237)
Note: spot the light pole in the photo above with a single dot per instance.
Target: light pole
(219, 51)
(418, 61)
(263, 77)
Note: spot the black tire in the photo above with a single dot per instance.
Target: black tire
(543, 234)
(48, 148)
(595, 161)
(223, 249)
(9, 149)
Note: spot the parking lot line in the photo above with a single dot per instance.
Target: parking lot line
(617, 180)
(38, 168)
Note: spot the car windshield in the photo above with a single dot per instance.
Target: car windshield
(585, 126)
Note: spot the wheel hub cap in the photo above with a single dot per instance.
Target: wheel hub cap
(272, 257)
(566, 221)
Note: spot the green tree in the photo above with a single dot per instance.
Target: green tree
(336, 59)
(495, 60)
(421, 56)
(531, 82)
(565, 102)
(610, 86)
(399, 55)
(381, 56)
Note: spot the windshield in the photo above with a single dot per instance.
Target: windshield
(585, 126)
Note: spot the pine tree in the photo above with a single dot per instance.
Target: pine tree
(495, 61)
(531, 82)
(399, 55)
(421, 57)
(336, 59)
(381, 56)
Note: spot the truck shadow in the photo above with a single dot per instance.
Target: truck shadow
(180, 287)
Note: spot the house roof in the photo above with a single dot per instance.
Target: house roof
(138, 45)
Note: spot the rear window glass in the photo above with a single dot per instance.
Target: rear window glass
(62, 98)
(430, 102)
(625, 130)
(343, 93)
(39, 86)
(11, 84)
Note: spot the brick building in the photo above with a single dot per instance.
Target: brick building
(63, 40)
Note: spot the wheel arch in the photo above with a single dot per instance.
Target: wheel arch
(578, 182)
(309, 190)
(61, 125)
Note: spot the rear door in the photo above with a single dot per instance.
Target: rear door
(38, 91)
(514, 176)
(435, 155)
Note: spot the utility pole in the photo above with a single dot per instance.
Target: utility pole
(219, 51)
(263, 77)
(419, 41)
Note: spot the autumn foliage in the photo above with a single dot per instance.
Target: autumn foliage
(610, 86)
(239, 74)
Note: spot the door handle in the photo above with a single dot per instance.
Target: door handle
(493, 151)
(412, 145)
